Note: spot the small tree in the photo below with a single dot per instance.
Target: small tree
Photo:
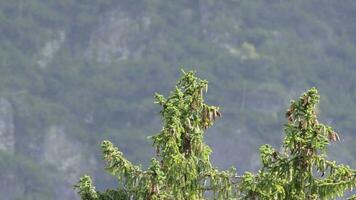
(181, 168)
(301, 171)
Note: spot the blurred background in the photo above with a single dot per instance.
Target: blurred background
(73, 73)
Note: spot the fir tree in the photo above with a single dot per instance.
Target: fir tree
(181, 168)
(301, 171)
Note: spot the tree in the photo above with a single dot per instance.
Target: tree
(301, 170)
(181, 168)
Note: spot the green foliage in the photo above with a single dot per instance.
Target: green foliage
(243, 47)
(87, 191)
(301, 170)
(26, 174)
(182, 159)
(182, 169)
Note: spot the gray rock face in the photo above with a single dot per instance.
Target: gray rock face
(51, 47)
(7, 135)
(68, 158)
(116, 37)
(65, 154)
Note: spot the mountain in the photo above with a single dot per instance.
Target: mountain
(73, 73)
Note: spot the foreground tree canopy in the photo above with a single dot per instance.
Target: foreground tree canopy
(181, 168)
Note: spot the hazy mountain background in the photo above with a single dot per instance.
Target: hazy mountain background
(73, 73)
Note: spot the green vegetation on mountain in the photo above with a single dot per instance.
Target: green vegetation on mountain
(73, 73)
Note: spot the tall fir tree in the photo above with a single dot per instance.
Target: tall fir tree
(182, 169)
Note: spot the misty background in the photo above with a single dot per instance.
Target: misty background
(73, 73)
